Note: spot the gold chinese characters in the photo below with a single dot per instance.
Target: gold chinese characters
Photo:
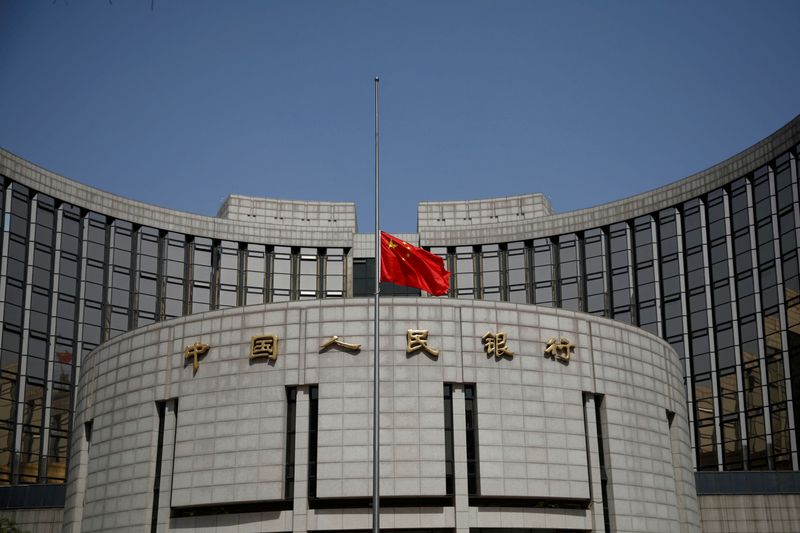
(417, 339)
(496, 344)
(264, 346)
(336, 341)
(194, 352)
(559, 350)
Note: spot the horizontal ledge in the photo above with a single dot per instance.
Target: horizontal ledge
(33, 496)
(364, 502)
(747, 482)
(529, 502)
(231, 508)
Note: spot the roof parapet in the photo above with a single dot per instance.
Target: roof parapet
(466, 213)
(259, 210)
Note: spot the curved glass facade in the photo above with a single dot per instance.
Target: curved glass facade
(716, 275)
(72, 278)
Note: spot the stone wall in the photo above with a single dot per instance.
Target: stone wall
(220, 432)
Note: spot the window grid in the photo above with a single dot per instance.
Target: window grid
(724, 291)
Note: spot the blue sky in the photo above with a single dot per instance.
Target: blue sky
(584, 101)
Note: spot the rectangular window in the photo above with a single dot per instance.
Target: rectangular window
(227, 275)
(291, 415)
(543, 273)
(604, 456)
(162, 406)
(201, 275)
(32, 420)
(595, 271)
(146, 290)
(473, 457)
(160, 411)
(334, 273)
(313, 421)
(569, 274)
(465, 272)
(620, 259)
(309, 274)
(255, 276)
(517, 279)
(174, 270)
(449, 451)
(281, 274)
(59, 433)
(490, 272)
(8, 413)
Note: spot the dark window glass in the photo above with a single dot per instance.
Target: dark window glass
(473, 459)
(543, 272)
(569, 272)
(517, 272)
(201, 275)
(291, 410)
(227, 265)
(174, 266)
(449, 449)
(313, 424)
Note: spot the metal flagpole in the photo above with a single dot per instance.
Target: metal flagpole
(376, 381)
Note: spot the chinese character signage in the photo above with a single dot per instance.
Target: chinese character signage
(416, 340)
(339, 343)
(559, 350)
(495, 344)
(194, 352)
(264, 346)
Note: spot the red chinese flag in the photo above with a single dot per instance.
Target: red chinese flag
(407, 265)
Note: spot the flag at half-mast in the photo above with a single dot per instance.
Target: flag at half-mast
(407, 265)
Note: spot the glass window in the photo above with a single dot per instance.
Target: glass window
(281, 274)
(465, 272)
(334, 272)
(595, 268)
(227, 264)
(543, 265)
(732, 444)
(646, 273)
(569, 272)
(309, 274)
(620, 275)
(120, 254)
(255, 277)
(473, 458)
(517, 272)
(32, 419)
(490, 272)
(94, 275)
(449, 449)
(201, 275)
(147, 246)
(174, 267)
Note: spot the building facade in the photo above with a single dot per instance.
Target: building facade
(708, 263)
(271, 430)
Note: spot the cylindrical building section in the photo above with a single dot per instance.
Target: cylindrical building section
(492, 413)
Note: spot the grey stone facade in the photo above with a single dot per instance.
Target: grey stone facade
(539, 431)
(732, 313)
